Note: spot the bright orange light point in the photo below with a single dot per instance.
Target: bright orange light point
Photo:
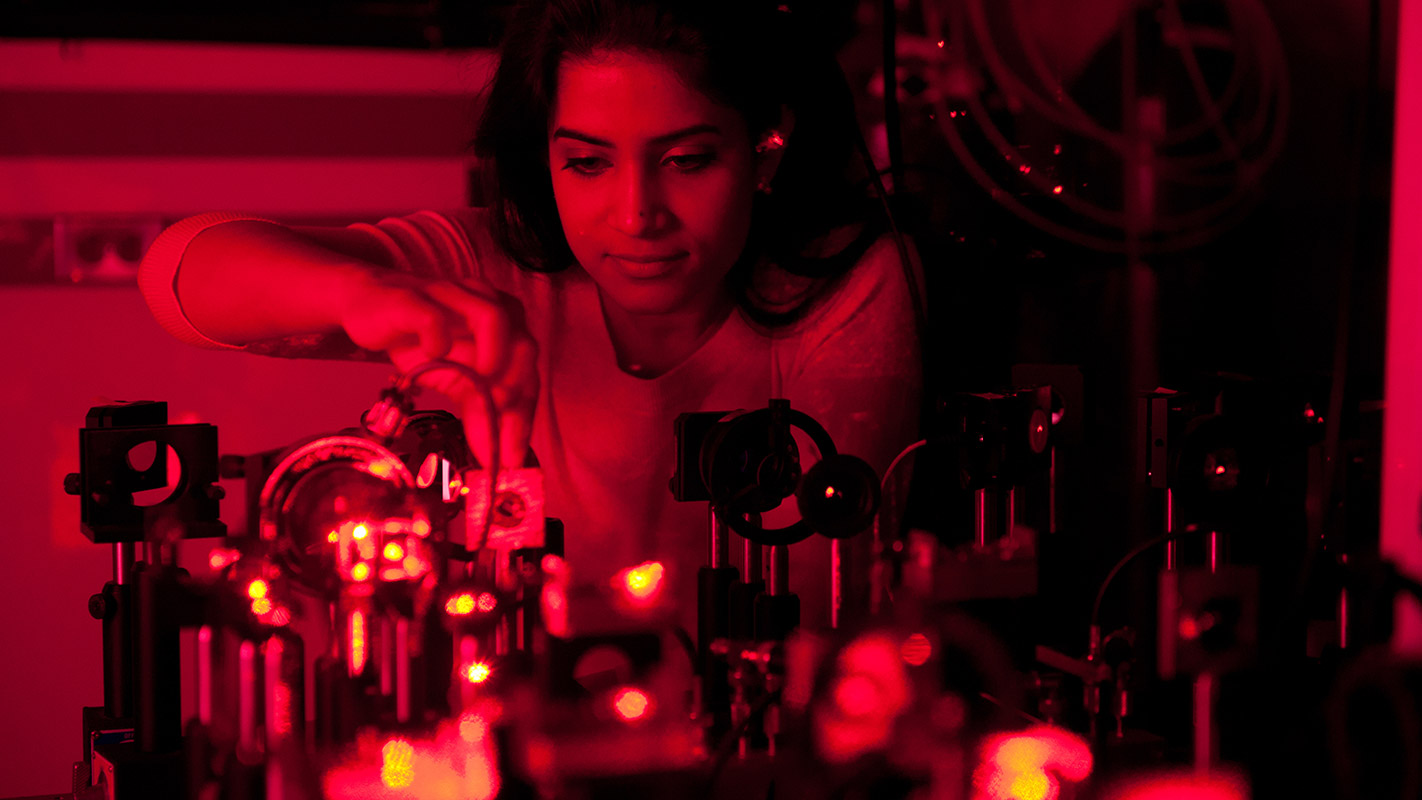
(644, 580)
(360, 571)
(477, 672)
(261, 606)
(333, 537)
(1056, 190)
(1030, 786)
(257, 589)
(487, 602)
(360, 531)
(829, 492)
(397, 764)
(631, 704)
(1220, 470)
(460, 604)
(394, 552)
(941, 43)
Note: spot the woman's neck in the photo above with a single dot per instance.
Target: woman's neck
(648, 345)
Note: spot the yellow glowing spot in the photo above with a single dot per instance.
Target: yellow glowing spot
(460, 604)
(941, 43)
(360, 531)
(397, 764)
(1030, 786)
(631, 704)
(394, 552)
(829, 492)
(394, 526)
(257, 589)
(643, 580)
(361, 571)
(380, 469)
(261, 606)
(477, 672)
(420, 527)
(333, 537)
(464, 490)
(1056, 190)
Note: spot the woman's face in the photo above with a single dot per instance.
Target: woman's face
(653, 182)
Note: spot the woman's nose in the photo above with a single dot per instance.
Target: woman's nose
(638, 210)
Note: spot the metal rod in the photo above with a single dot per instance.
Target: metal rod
(204, 674)
(753, 559)
(247, 744)
(1011, 508)
(1206, 740)
(1214, 551)
(402, 670)
(836, 582)
(779, 581)
(1052, 493)
(720, 540)
(980, 518)
(123, 562)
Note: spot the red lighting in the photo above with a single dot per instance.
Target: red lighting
(1220, 470)
(361, 571)
(261, 606)
(1024, 169)
(829, 492)
(631, 704)
(257, 589)
(487, 602)
(357, 633)
(397, 764)
(643, 581)
(220, 557)
(858, 696)
(1028, 765)
(916, 650)
(394, 552)
(1189, 629)
(333, 537)
(1057, 189)
(360, 531)
(477, 672)
(460, 605)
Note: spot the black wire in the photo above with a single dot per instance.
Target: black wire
(1120, 565)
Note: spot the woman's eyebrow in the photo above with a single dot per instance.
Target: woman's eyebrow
(679, 133)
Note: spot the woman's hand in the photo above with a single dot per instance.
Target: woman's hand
(415, 320)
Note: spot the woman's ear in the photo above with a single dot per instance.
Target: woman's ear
(770, 148)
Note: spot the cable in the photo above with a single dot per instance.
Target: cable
(407, 381)
(1120, 565)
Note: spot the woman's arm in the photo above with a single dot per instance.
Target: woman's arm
(254, 283)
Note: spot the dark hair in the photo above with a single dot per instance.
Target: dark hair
(747, 54)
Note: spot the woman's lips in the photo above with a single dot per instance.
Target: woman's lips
(647, 266)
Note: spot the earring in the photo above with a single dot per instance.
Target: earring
(773, 141)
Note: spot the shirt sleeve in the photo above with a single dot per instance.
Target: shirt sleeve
(158, 276)
(426, 243)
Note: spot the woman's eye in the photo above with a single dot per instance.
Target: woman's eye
(690, 162)
(586, 165)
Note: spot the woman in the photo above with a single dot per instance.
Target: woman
(672, 228)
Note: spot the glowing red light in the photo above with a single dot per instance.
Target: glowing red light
(394, 552)
(220, 557)
(473, 728)
(357, 634)
(1189, 628)
(631, 704)
(397, 764)
(1024, 169)
(360, 531)
(1057, 189)
(281, 615)
(257, 589)
(478, 672)
(361, 571)
(1026, 766)
(916, 650)
(858, 696)
(1220, 470)
(421, 527)
(940, 44)
(643, 581)
(829, 492)
(333, 537)
(261, 606)
(460, 604)
(487, 602)
(1057, 150)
